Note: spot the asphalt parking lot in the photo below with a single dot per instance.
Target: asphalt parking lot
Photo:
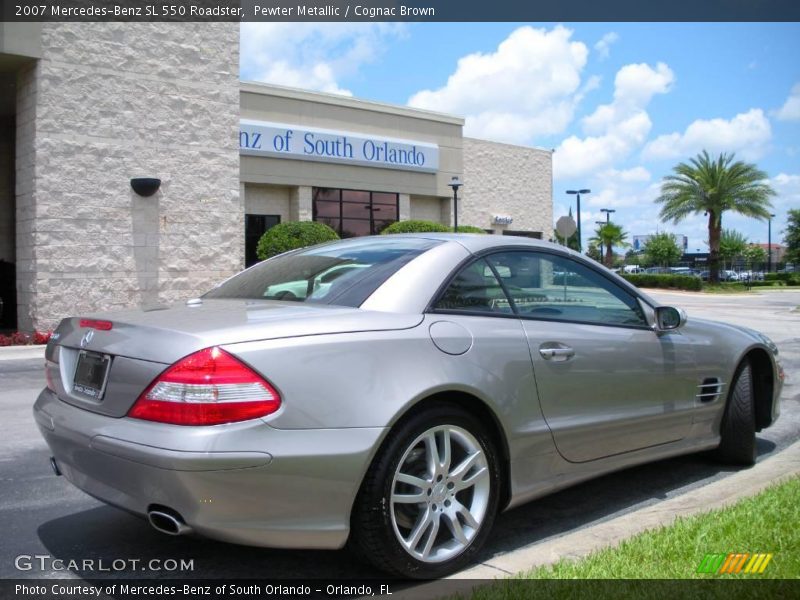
(41, 514)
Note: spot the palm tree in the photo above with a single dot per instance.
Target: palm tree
(712, 187)
(609, 235)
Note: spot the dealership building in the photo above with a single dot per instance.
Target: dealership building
(91, 113)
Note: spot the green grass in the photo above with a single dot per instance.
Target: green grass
(725, 288)
(768, 522)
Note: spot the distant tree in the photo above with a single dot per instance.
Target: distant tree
(593, 251)
(633, 257)
(755, 256)
(609, 235)
(662, 249)
(732, 244)
(791, 237)
(711, 187)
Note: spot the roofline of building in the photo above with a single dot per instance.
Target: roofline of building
(541, 148)
(269, 89)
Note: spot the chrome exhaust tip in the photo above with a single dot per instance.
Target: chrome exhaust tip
(54, 466)
(168, 523)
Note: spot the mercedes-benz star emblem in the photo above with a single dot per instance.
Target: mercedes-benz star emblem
(87, 337)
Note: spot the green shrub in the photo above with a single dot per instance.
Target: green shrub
(470, 229)
(293, 234)
(416, 227)
(767, 283)
(654, 280)
(786, 278)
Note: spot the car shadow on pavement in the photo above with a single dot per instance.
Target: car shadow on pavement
(105, 534)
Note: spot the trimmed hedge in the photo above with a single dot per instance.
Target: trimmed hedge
(418, 226)
(786, 278)
(676, 282)
(767, 283)
(470, 229)
(291, 235)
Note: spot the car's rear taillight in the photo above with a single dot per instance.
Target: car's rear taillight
(96, 324)
(208, 387)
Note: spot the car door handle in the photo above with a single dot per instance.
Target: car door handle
(557, 354)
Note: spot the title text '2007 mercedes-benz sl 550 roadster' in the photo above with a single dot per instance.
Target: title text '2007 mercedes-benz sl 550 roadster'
(392, 393)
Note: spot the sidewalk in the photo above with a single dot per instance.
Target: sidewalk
(22, 352)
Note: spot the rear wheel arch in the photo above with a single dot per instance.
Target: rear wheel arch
(374, 539)
(763, 385)
(477, 408)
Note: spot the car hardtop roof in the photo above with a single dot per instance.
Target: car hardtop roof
(477, 242)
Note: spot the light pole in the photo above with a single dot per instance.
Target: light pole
(769, 243)
(455, 183)
(578, 194)
(602, 250)
(608, 212)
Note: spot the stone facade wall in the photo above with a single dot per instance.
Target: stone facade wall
(268, 200)
(112, 101)
(426, 208)
(501, 179)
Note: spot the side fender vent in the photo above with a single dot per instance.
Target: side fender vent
(710, 389)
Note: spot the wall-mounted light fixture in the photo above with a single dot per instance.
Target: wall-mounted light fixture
(145, 186)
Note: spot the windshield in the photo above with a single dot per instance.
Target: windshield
(342, 273)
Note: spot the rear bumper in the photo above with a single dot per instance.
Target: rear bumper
(245, 483)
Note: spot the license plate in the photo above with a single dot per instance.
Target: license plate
(91, 374)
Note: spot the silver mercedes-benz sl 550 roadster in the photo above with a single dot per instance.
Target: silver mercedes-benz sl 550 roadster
(392, 393)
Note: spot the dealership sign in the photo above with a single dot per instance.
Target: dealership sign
(261, 138)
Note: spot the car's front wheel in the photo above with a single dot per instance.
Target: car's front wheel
(738, 428)
(430, 498)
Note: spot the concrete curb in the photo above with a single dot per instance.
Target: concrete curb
(21, 352)
(718, 494)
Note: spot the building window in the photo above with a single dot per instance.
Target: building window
(254, 228)
(353, 213)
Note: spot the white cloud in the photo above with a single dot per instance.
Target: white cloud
(747, 134)
(634, 175)
(790, 111)
(311, 55)
(603, 47)
(529, 86)
(614, 130)
(788, 192)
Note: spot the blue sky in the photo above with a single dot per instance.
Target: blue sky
(620, 102)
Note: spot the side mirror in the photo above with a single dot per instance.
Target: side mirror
(669, 318)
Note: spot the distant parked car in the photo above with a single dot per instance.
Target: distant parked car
(728, 275)
(659, 270)
(724, 275)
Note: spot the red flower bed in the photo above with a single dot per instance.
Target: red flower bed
(20, 338)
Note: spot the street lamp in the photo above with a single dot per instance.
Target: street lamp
(578, 194)
(769, 243)
(601, 223)
(455, 183)
(608, 212)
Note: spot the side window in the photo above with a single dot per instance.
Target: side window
(545, 286)
(475, 289)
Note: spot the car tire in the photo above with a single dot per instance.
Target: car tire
(738, 428)
(444, 459)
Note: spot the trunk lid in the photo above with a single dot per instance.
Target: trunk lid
(142, 343)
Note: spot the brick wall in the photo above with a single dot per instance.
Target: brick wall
(112, 101)
(501, 179)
